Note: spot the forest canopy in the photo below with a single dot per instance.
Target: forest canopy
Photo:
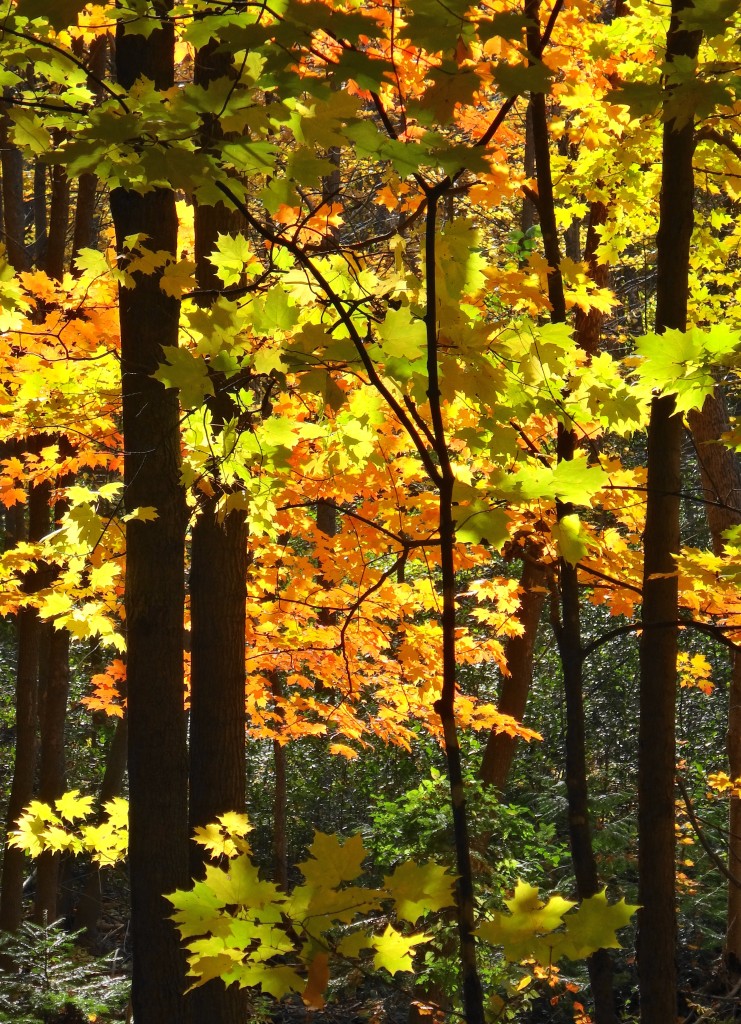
(370, 488)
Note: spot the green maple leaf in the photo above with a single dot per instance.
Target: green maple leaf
(712, 17)
(60, 14)
(572, 480)
(403, 336)
(186, 372)
(250, 157)
(332, 862)
(593, 926)
(571, 538)
(324, 906)
(516, 79)
(417, 889)
(29, 132)
(277, 981)
(680, 363)
(519, 932)
(241, 884)
(394, 951)
(460, 264)
(233, 257)
(198, 911)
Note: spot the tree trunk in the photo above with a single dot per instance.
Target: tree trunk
(658, 646)
(26, 719)
(218, 597)
(155, 593)
(14, 226)
(518, 652)
(721, 484)
(568, 628)
(85, 230)
(91, 900)
(56, 245)
(53, 692)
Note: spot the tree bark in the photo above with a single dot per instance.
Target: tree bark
(26, 719)
(91, 900)
(519, 651)
(155, 592)
(658, 646)
(54, 691)
(567, 628)
(720, 474)
(14, 226)
(218, 597)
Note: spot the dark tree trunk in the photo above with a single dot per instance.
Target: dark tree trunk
(218, 595)
(26, 718)
(91, 900)
(56, 246)
(85, 229)
(568, 629)
(658, 646)
(720, 472)
(40, 223)
(280, 801)
(53, 694)
(14, 224)
(155, 591)
(518, 652)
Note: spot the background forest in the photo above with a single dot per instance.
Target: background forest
(371, 511)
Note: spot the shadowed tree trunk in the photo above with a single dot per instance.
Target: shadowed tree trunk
(658, 646)
(218, 596)
(28, 631)
(155, 591)
(721, 484)
(567, 626)
(519, 651)
(91, 900)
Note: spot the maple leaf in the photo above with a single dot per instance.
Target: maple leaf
(240, 884)
(593, 926)
(394, 951)
(178, 278)
(519, 931)
(332, 861)
(233, 257)
(572, 539)
(419, 888)
(186, 372)
(198, 911)
(72, 805)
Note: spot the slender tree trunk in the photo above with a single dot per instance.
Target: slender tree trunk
(91, 900)
(720, 472)
(445, 706)
(519, 652)
(26, 719)
(40, 222)
(155, 593)
(658, 646)
(14, 227)
(54, 691)
(280, 802)
(568, 629)
(56, 245)
(85, 230)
